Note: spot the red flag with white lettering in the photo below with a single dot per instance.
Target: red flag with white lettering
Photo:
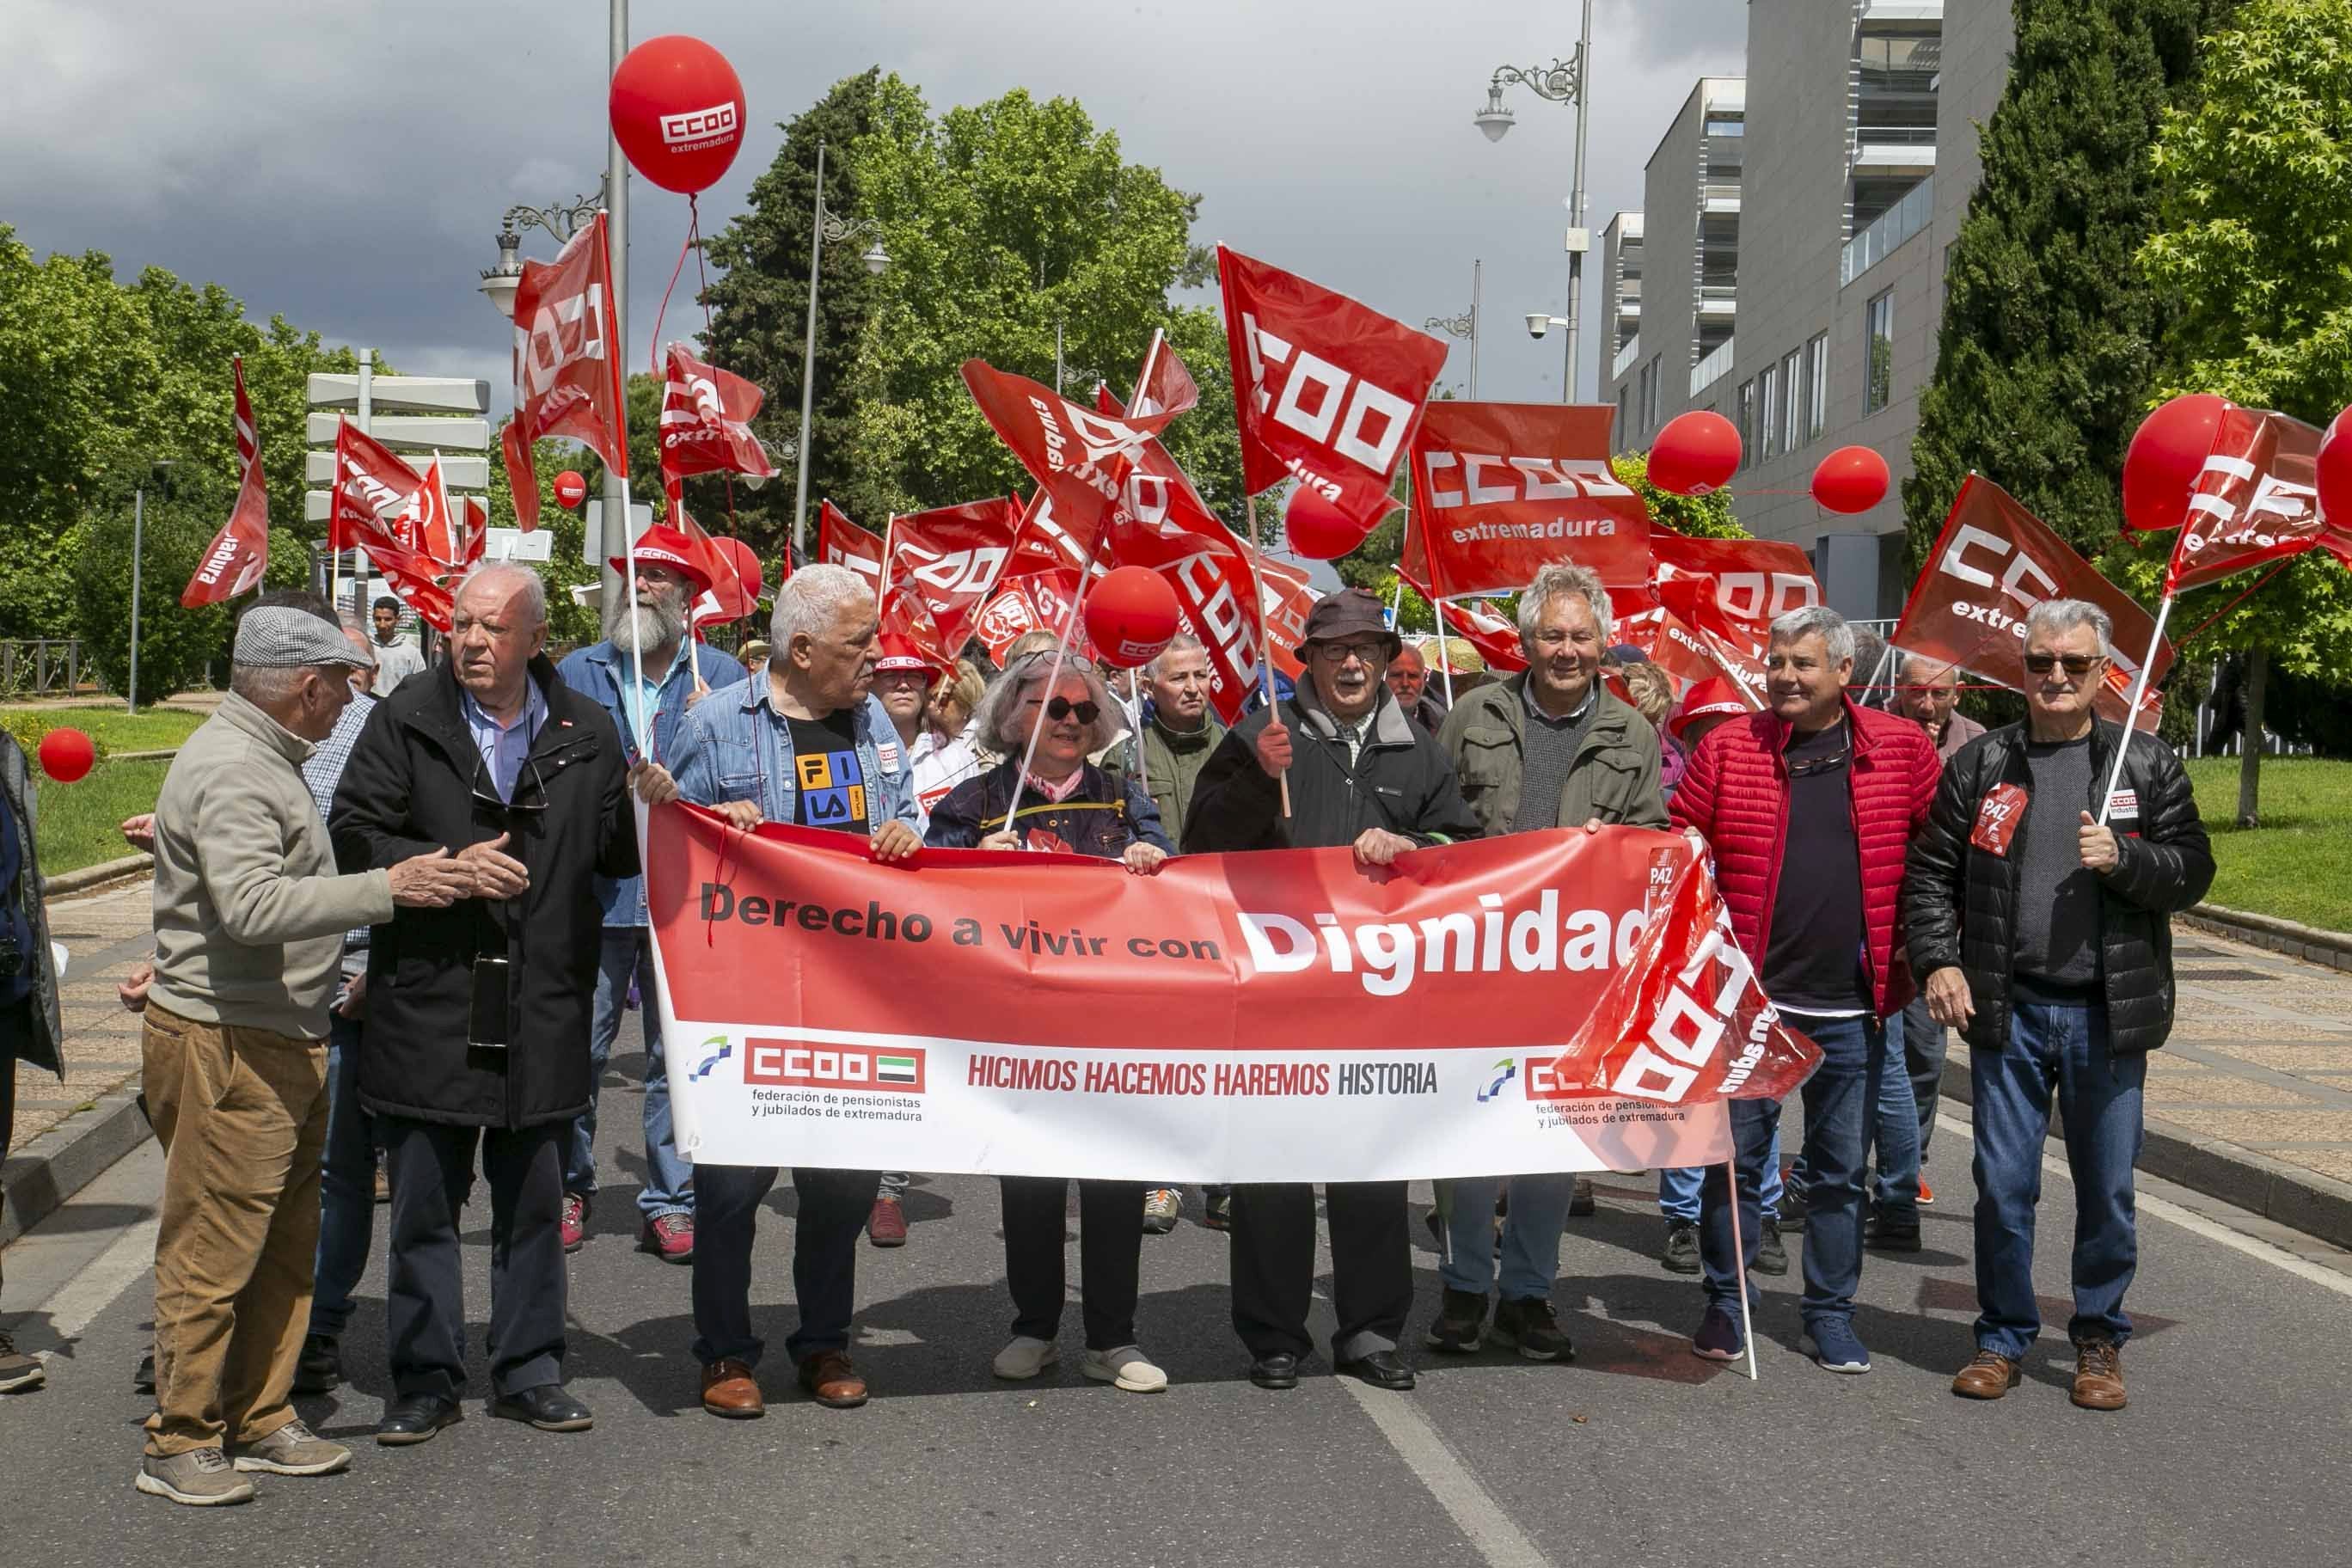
(1285, 597)
(567, 369)
(1325, 389)
(1035, 601)
(705, 421)
(1501, 489)
(1728, 592)
(239, 553)
(841, 542)
(1216, 586)
(376, 497)
(1081, 457)
(949, 558)
(2257, 500)
(1994, 562)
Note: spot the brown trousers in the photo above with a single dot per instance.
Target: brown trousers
(242, 1115)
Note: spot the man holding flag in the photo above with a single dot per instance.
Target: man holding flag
(649, 636)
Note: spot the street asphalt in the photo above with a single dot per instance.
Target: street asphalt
(2236, 1449)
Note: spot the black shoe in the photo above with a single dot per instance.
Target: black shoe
(1460, 1325)
(1382, 1369)
(1532, 1328)
(1886, 1237)
(142, 1376)
(1681, 1255)
(1218, 1213)
(1279, 1370)
(321, 1369)
(547, 1407)
(414, 1417)
(1792, 1203)
(1771, 1258)
(1580, 1198)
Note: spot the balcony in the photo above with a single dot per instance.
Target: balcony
(1626, 357)
(1718, 302)
(1895, 224)
(1711, 369)
(1891, 151)
(1881, 11)
(1719, 196)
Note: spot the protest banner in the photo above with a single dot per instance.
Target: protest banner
(1544, 1002)
(1503, 488)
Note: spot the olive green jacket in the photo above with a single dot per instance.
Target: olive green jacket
(1614, 778)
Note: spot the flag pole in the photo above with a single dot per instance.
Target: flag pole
(1444, 656)
(1740, 1257)
(2131, 708)
(1265, 650)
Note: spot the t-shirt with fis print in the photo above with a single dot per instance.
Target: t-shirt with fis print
(829, 782)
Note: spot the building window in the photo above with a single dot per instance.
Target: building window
(1623, 429)
(1817, 386)
(1878, 348)
(1747, 422)
(1793, 388)
(1768, 391)
(1649, 395)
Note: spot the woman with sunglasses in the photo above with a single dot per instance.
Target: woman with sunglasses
(1064, 804)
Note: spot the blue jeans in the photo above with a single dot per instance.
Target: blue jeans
(1895, 1133)
(1531, 1235)
(1841, 1107)
(627, 957)
(1678, 1190)
(346, 1184)
(2062, 1043)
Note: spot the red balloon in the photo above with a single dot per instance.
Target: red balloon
(1694, 453)
(2335, 473)
(677, 109)
(1130, 617)
(570, 489)
(1317, 530)
(1851, 479)
(2167, 454)
(67, 754)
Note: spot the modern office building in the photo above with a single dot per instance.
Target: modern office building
(1860, 155)
(1685, 245)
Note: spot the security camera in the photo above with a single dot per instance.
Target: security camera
(1537, 323)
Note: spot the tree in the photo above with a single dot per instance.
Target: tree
(2255, 244)
(2048, 345)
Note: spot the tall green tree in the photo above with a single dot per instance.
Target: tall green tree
(2255, 244)
(2048, 346)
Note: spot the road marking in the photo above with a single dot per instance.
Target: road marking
(78, 1302)
(1471, 1506)
(2195, 1222)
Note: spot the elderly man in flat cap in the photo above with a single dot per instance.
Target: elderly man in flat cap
(250, 923)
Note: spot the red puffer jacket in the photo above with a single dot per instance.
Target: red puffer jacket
(1736, 793)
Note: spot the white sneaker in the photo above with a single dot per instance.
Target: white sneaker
(1026, 1358)
(1125, 1368)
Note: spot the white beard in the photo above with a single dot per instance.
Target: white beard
(645, 628)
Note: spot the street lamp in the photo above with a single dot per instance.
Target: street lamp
(499, 282)
(1562, 81)
(157, 469)
(1466, 326)
(821, 227)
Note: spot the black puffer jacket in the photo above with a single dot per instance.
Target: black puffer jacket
(1959, 901)
(1402, 781)
(416, 782)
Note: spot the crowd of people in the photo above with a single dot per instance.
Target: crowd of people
(401, 930)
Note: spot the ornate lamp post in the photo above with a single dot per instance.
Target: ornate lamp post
(499, 282)
(1465, 326)
(1562, 81)
(823, 227)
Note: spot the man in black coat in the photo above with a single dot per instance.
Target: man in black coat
(1363, 774)
(2041, 922)
(478, 1014)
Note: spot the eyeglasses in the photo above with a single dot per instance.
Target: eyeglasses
(1044, 658)
(1341, 652)
(1061, 708)
(2077, 664)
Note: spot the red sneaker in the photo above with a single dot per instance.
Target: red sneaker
(1926, 1196)
(575, 1222)
(670, 1238)
(886, 1225)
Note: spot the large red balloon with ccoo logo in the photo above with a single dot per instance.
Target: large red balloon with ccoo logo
(1695, 453)
(67, 754)
(1131, 615)
(570, 489)
(677, 111)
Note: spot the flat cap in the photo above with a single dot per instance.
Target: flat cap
(274, 636)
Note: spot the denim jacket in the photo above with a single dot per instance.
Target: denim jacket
(601, 674)
(739, 748)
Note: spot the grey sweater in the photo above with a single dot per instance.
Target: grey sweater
(249, 921)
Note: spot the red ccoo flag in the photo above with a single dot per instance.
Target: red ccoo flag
(239, 552)
(2257, 500)
(841, 542)
(567, 367)
(949, 558)
(705, 421)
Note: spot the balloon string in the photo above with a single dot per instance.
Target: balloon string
(702, 271)
(2207, 623)
(654, 352)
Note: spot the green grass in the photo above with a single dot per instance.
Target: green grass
(2297, 864)
(80, 823)
(153, 730)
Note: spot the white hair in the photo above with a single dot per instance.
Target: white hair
(809, 599)
(1804, 621)
(530, 584)
(1550, 583)
(1002, 724)
(2065, 614)
(1182, 642)
(268, 685)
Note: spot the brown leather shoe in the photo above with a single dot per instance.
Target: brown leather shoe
(729, 1390)
(830, 1379)
(1988, 1377)
(2098, 1376)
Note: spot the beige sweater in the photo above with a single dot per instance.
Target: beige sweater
(249, 916)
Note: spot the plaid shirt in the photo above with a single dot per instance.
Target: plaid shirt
(324, 771)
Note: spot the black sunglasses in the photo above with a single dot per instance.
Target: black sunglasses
(1061, 708)
(2077, 664)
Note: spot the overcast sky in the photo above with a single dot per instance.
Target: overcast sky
(346, 165)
